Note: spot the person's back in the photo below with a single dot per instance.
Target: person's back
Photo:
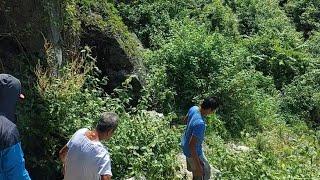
(195, 126)
(12, 165)
(86, 159)
(9, 133)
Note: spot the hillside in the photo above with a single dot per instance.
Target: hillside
(151, 60)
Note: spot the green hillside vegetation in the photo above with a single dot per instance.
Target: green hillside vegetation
(261, 58)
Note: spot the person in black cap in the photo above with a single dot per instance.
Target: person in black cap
(12, 165)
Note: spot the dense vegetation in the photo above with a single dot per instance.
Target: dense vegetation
(261, 58)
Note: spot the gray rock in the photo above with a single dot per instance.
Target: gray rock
(238, 148)
(182, 172)
(137, 178)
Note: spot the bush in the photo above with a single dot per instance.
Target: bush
(259, 16)
(54, 109)
(301, 97)
(313, 47)
(248, 99)
(144, 145)
(305, 14)
(279, 152)
(151, 20)
(192, 60)
(278, 57)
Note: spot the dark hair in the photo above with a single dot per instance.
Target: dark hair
(210, 103)
(108, 121)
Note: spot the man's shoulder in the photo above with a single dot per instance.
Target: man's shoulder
(9, 134)
(101, 148)
(194, 108)
(80, 132)
(7, 126)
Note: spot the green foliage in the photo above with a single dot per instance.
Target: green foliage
(301, 97)
(248, 98)
(152, 20)
(279, 57)
(305, 14)
(219, 18)
(144, 145)
(313, 47)
(277, 153)
(247, 52)
(259, 16)
(157, 93)
(191, 63)
(71, 24)
(54, 110)
(61, 104)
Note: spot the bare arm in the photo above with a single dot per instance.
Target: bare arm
(62, 155)
(185, 119)
(105, 177)
(194, 156)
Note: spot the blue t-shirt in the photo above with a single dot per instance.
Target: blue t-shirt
(195, 126)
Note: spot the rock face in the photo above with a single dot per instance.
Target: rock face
(112, 60)
(23, 21)
(25, 25)
(118, 52)
(31, 21)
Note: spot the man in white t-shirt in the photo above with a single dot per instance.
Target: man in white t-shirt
(84, 157)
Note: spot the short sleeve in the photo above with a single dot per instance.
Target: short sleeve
(70, 141)
(198, 131)
(104, 164)
(189, 111)
(83, 130)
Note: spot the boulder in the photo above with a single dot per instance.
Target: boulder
(117, 51)
(30, 22)
(182, 172)
(238, 148)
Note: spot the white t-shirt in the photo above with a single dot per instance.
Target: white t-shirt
(86, 159)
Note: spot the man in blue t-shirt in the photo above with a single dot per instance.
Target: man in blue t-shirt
(193, 138)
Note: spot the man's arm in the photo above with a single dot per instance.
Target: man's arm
(185, 119)
(105, 177)
(62, 155)
(194, 156)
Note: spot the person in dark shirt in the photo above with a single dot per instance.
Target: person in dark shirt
(12, 166)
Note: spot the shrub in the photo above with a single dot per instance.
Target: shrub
(278, 57)
(192, 60)
(305, 14)
(144, 145)
(248, 98)
(259, 16)
(279, 152)
(151, 20)
(54, 110)
(312, 46)
(301, 97)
